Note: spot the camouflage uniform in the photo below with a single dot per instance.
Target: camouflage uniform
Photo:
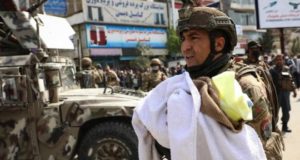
(34, 128)
(101, 75)
(153, 78)
(88, 77)
(254, 50)
(111, 77)
(253, 83)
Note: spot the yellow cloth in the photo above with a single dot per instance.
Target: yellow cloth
(236, 104)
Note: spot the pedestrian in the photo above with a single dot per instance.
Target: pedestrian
(284, 84)
(178, 119)
(179, 69)
(297, 76)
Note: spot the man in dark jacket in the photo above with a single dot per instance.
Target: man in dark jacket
(284, 85)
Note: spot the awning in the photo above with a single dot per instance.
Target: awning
(127, 58)
(54, 33)
(106, 52)
(155, 52)
(131, 52)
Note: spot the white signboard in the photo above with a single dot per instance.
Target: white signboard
(278, 13)
(125, 12)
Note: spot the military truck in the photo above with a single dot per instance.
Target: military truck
(43, 113)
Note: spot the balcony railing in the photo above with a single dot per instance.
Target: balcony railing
(243, 2)
(243, 5)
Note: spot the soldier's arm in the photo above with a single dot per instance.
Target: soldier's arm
(164, 76)
(145, 83)
(262, 119)
(97, 77)
(287, 69)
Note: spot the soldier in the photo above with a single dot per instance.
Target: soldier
(254, 50)
(111, 77)
(101, 75)
(185, 109)
(88, 77)
(154, 77)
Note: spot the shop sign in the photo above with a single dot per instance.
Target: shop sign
(126, 12)
(112, 36)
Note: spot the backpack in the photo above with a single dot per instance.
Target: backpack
(257, 83)
(87, 79)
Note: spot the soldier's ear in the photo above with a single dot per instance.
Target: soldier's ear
(219, 44)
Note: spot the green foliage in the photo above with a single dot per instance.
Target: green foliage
(143, 48)
(266, 42)
(140, 62)
(173, 42)
(296, 46)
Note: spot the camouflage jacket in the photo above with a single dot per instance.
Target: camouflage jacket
(88, 78)
(257, 83)
(112, 78)
(152, 79)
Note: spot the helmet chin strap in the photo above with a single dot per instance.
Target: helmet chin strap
(210, 66)
(212, 53)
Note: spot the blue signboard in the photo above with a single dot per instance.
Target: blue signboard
(113, 36)
(56, 7)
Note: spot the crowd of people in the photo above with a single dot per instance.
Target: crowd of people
(96, 76)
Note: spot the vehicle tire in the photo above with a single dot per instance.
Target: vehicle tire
(109, 141)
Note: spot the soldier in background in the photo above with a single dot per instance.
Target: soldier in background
(88, 77)
(111, 77)
(154, 77)
(254, 50)
(101, 75)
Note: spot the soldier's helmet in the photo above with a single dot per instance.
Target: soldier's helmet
(86, 62)
(253, 44)
(209, 19)
(99, 66)
(155, 62)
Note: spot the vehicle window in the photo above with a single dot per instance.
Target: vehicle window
(12, 85)
(68, 76)
(13, 89)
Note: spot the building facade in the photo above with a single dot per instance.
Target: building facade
(115, 32)
(243, 14)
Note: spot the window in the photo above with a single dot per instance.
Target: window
(13, 89)
(243, 18)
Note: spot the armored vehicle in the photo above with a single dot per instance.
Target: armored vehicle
(43, 113)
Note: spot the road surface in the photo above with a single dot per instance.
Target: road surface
(292, 140)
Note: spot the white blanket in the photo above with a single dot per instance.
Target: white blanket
(170, 113)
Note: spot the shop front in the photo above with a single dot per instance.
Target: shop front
(117, 45)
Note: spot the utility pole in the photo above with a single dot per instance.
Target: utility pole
(281, 35)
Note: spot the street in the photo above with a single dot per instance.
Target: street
(292, 140)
